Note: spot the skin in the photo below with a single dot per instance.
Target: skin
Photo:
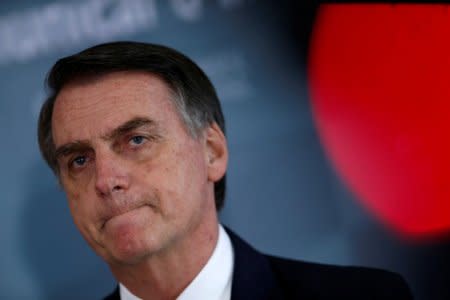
(139, 187)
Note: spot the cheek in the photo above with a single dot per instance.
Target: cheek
(76, 208)
(83, 216)
(73, 197)
(187, 177)
(173, 179)
(79, 205)
(177, 174)
(76, 191)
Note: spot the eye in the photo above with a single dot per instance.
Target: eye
(79, 161)
(137, 140)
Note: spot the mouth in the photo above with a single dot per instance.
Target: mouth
(119, 214)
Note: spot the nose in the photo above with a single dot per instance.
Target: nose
(111, 175)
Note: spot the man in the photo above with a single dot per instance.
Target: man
(135, 134)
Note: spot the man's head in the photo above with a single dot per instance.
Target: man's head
(193, 94)
(135, 134)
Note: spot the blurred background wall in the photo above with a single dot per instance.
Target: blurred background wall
(284, 195)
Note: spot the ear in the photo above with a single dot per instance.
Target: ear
(217, 152)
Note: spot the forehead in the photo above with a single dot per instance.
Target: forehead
(92, 107)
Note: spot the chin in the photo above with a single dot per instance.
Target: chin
(129, 251)
(129, 257)
(129, 245)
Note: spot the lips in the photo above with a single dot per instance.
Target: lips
(119, 212)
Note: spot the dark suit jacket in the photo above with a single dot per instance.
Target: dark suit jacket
(262, 277)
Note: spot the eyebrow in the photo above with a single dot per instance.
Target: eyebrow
(128, 126)
(72, 147)
(82, 145)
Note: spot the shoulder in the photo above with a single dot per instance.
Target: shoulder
(304, 280)
(323, 281)
(115, 295)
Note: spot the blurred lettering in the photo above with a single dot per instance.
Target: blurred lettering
(26, 35)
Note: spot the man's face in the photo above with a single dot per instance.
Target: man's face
(137, 183)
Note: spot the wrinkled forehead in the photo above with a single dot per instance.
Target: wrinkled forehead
(114, 79)
(92, 106)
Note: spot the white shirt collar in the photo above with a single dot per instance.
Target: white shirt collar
(214, 280)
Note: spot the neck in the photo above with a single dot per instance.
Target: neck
(165, 275)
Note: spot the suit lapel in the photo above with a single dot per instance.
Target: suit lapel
(252, 275)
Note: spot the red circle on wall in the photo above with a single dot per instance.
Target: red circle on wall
(380, 88)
